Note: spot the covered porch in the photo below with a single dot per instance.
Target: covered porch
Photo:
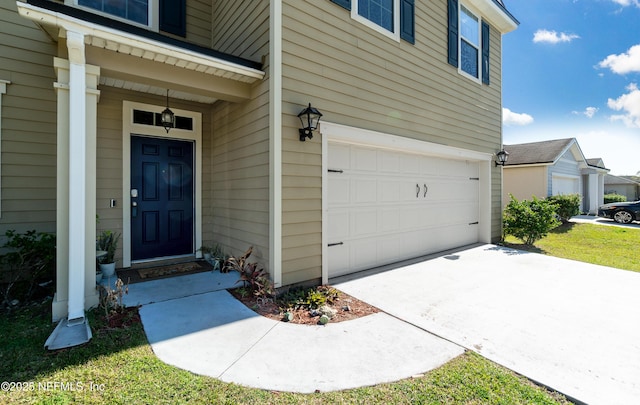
(95, 57)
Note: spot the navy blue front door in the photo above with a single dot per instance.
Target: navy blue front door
(161, 197)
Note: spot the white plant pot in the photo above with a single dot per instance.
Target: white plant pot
(108, 269)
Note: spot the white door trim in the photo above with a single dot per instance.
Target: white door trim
(128, 129)
(332, 132)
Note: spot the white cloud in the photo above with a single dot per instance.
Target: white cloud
(589, 112)
(626, 3)
(629, 104)
(553, 37)
(511, 118)
(624, 63)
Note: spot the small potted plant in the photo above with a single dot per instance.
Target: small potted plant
(108, 242)
(206, 253)
(218, 257)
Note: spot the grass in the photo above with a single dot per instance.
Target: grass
(604, 245)
(119, 367)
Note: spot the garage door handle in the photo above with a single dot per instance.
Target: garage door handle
(425, 190)
(335, 244)
(417, 190)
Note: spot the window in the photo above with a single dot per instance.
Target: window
(469, 42)
(468, 48)
(394, 18)
(155, 119)
(137, 11)
(379, 12)
(157, 15)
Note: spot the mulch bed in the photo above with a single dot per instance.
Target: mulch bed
(347, 308)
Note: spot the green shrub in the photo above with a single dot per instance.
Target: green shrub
(529, 221)
(567, 205)
(613, 198)
(27, 259)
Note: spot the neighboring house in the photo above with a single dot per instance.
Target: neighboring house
(547, 168)
(622, 185)
(401, 166)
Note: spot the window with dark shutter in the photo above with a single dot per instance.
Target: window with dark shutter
(173, 17)
(485, 52)
(381, 13)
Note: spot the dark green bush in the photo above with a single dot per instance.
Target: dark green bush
(567, 205)
(28, 259)
(529, 221)
(613, 198)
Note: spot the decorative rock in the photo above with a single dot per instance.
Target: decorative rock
(328, 311)
(346, 308)
(324, 320)
(314, 312)
(288, 317)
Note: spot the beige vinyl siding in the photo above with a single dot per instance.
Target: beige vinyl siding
(356, 76)
(199, 22)
(28, 125)
(240, 28)
(109, 151)
(236, 189)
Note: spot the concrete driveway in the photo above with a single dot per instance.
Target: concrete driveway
(572, 326)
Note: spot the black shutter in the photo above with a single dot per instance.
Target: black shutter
(485, 52)
(173, 17)
(407, 21)
(343, 3)
(453, 33)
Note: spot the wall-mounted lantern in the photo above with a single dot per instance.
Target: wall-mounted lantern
(502, 157)
(309, 118)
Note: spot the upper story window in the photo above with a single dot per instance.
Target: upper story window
(137, 11)
(393, 18)
(156, 15)
(468, 43)
(379, 12)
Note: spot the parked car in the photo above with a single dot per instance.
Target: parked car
(621, 212)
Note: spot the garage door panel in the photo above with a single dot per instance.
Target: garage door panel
(364, 159)
(339, 226)
(340, 190)
(363, 223)
(364, 190)
(339, 156)
(383, 215)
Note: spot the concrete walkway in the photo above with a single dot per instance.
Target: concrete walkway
(211, 333)
(572, 326)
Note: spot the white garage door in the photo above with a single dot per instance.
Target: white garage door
(386, 206)
(564, 185)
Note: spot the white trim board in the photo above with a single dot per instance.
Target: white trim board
(128, 129)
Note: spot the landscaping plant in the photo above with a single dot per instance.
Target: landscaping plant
(29, 258)
(567, 205)
(529, 221)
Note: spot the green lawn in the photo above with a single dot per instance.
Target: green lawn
(119, 367)
(598, 244)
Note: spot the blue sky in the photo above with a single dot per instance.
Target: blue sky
(572, 70)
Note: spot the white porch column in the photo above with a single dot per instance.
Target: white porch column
(77, 179)
(594, 187)
(77, 94)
